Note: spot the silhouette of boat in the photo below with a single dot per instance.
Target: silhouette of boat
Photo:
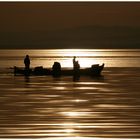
(94, 70)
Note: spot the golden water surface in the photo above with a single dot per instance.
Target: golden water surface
(47, 107)
(91, 107)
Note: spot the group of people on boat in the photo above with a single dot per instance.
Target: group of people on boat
(56, 71)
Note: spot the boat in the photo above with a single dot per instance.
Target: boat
(94, 70)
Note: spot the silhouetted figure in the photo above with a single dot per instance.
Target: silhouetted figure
(27, 65)
(56, 69)
(27, 62)
(76, 66)
(74, 60)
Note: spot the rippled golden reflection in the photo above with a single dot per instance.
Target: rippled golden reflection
(79, 100)
(74, 114)
(90, 108)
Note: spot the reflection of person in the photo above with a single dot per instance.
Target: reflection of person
(27, 62)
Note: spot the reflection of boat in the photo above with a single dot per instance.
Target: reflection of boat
(95, 70)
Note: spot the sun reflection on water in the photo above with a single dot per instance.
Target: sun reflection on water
(80, 52)
(79, 100)
(59, 108)
(75, 113)
(82, 57)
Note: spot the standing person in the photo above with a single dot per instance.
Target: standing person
(27, 62)
(76, 65)
(76, 69)
(74, 61)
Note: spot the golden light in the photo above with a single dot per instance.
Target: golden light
(84, 56)
(75, 114)
(69, 130)
(79, 100)
(80, 52)
(75, 52)
(72, 114)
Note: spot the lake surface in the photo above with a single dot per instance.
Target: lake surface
(86, 57)
(43, 106)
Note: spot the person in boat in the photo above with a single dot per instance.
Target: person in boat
(74, 60)
(27, 62)
(76, 65)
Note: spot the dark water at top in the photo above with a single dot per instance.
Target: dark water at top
(43, 106)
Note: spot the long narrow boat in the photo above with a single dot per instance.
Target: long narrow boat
(94, 70)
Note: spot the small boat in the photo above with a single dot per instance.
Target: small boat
(94, 70)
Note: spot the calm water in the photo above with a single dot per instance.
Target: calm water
(46, 58)
(43, 106)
